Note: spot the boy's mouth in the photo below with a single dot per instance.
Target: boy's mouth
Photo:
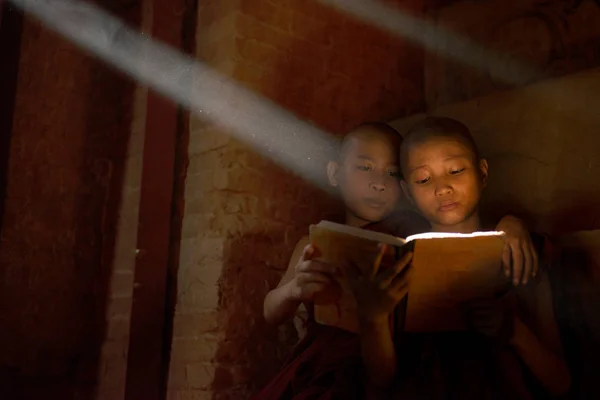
(375, 203)
(447, 206)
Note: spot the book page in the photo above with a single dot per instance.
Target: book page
(449, 271)
(338, 246)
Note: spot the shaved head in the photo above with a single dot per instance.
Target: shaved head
(435, 127)
(368, 131)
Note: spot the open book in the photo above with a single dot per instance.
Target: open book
(447, 270)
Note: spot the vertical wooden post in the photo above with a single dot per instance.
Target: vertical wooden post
(147, 334)
(11, 27)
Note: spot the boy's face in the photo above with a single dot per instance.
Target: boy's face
(444, 180)
(368, 176)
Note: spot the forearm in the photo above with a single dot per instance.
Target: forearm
(279, 305)
(378, 352)
(549, 368)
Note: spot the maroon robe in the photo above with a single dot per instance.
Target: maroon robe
(325, 365)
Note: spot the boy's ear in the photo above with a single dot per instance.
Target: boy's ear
(406, 192)
(332, 173)
(483, 169)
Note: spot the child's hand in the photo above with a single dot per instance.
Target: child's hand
(378, 293)
(312, 277)
(490, 317)
(519, 259)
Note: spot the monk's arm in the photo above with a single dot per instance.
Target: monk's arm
(378, 352)
(279, 305)
(549, 367)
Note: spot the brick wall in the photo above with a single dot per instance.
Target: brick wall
(67, 163)
(243, 214)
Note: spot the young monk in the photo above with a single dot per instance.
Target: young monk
(444, 176)
(327, 363)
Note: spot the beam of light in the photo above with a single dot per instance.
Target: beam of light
(435, 38)
(271, 130)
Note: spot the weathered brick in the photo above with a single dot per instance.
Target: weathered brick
(194, 251)
(177, 374)
(119, 305)
(188, 325)
(133, 171)
(124, 259)
(250, 27)
(269, 13)
(213, 12)
(200, 375)
(121, 283)
(197, 297)
(118, 329)
(194, 350)
(113, 350)
(203, 274)
(114, 373)
(320, 33)
(194, 223)
(256, 52)
(203, 139)
(253, 77)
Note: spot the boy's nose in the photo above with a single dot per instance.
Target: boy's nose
(443, 190)
(380, 187)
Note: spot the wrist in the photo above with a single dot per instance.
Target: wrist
(291, 291)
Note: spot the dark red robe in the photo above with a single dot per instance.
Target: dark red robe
(326, 365)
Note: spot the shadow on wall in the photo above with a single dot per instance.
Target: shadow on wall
(72, 124)
(335, 73)
(251, 351)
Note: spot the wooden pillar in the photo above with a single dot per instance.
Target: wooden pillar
(145, 361)
(11, 26)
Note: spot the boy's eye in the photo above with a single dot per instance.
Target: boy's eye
(364, 167)
(457, 171)
(422, 181)
(395, 174)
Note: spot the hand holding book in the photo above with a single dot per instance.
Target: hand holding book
(313, 278)
(378, 290)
